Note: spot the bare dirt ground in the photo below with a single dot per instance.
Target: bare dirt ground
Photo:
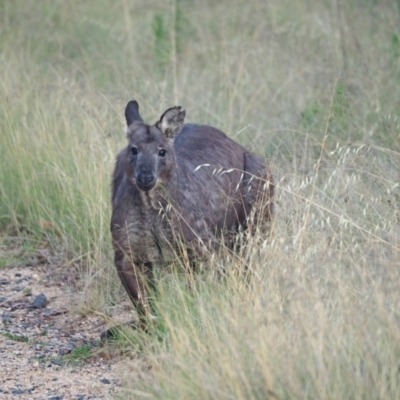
(48, 351)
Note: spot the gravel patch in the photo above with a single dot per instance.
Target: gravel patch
(47, 351)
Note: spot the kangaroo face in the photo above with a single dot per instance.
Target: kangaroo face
(151, 156)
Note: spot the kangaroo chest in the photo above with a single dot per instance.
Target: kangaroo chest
(150, 234)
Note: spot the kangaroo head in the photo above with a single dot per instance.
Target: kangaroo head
(150, 152)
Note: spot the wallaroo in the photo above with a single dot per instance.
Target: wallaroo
(177, 184)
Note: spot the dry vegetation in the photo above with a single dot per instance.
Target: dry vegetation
(312, 311)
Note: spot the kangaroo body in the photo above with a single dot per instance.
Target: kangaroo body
(180, 183)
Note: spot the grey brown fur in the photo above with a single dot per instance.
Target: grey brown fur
(180, 183)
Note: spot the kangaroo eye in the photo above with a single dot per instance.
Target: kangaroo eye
(134, 151)
(162, 153)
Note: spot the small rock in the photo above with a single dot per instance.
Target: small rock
(57, 361)
(3, 299)
(40, 301)
(18, 274)
(105, 380)
(6, 318)
(18, 288)
(56, 397)
(4, 281)
(66, 349)
(81, 397)
(18, 391)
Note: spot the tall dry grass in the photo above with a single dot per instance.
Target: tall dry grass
(312, 310)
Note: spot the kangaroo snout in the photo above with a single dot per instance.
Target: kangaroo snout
(145, 181)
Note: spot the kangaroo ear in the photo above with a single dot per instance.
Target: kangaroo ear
(171, 122)
(132, 112)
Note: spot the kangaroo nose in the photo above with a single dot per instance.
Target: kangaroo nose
(145, 181)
